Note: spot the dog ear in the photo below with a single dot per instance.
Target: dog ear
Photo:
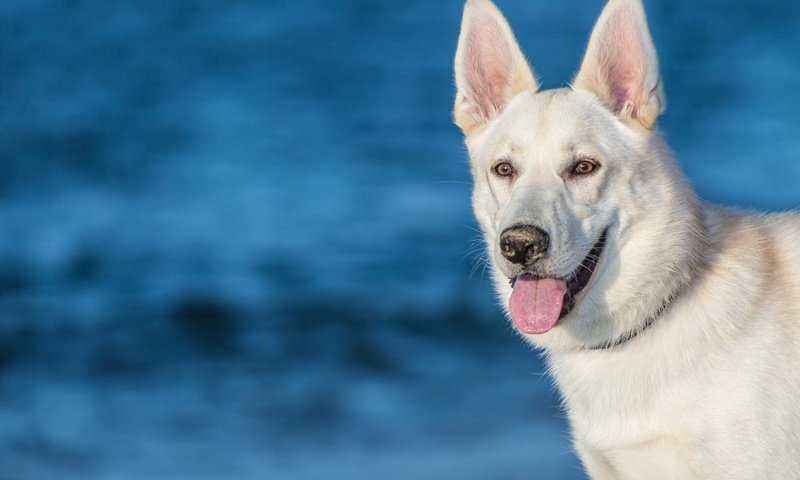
(621, 66)
(489, 67)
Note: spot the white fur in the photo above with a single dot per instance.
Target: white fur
(712, 389)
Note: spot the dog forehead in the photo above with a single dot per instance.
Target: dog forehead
(546, 121)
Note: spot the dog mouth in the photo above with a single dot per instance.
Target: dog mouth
(537, 304)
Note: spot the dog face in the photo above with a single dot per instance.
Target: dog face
(558, 174)
(548, 162)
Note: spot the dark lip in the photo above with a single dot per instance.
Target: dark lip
(580, 277)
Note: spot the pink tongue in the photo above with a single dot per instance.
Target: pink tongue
(535, 304)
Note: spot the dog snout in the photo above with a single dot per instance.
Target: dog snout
(524, 244)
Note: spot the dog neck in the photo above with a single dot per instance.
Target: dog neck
(630, 335)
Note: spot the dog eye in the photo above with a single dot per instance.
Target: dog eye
(504, 169)
(584, 167)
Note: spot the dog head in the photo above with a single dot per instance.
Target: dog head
(571, 184)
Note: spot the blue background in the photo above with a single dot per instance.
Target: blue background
(235, 236)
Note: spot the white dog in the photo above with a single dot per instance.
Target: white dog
(672, 328)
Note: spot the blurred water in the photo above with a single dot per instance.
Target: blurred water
(235, 237)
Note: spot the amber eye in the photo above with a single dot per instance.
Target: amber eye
(504, 169)
(584, 167)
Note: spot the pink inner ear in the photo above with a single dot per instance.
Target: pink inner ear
(488, 64)
(623, 59)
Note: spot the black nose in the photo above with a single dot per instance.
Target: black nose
(524, 244)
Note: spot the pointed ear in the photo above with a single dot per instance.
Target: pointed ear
(489, 68)
(621, 66)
